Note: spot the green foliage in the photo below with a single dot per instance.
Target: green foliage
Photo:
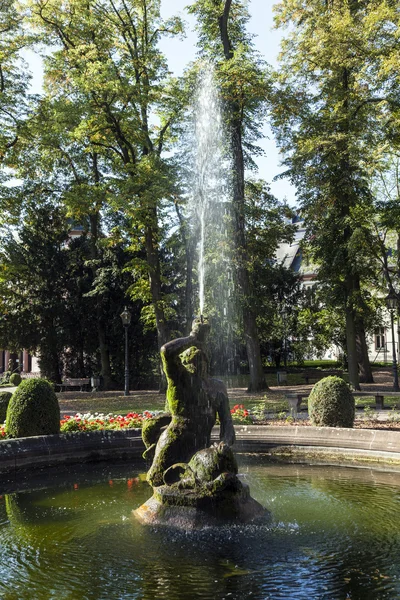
(321, 364)
(71, 426)
(15, 379)
(5, 378)
(369, 413)
(33, 410)
(331, 403)
(122, 120)
(4, 402)
(33, 285)
(14, 78)
(330, 113)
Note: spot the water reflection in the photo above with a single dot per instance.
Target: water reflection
(334, 535)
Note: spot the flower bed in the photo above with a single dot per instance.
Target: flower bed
(98, 421)
(240, 414)
(89, 422)
(256, 415)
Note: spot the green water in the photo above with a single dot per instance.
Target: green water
(334, 534)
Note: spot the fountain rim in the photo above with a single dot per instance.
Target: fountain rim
(338, 446)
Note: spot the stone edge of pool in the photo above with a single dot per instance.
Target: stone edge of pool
(333, 444)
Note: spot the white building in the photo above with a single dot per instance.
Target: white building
(380, 344)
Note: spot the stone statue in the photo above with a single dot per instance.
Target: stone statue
(193, 400)
(194, 484)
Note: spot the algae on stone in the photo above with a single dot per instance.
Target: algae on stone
(194, 400)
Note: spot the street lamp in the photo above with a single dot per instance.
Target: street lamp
(126, 321)
(391, 303)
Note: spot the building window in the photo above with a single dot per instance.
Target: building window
(380, 338)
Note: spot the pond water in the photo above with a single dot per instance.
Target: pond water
(334, 534)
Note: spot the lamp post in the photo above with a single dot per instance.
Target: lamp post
(391, 303)
(126, 321)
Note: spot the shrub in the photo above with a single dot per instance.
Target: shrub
(331, 403)
(4, 402)
(5, 378)
(15, 379)
(33, 410)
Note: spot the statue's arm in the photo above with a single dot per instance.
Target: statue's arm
(172, 349)
(176, 347)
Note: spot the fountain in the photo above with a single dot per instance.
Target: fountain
(194, 484)
(209, 177)
(69, 532)
(333, 533)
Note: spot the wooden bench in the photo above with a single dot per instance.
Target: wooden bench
(317, 374)
(69, 382)
(379, 397)
(294, 399)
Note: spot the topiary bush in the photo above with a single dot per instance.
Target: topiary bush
(4, 402)
(33, 410)
(331, 403)
(5, 378)
(15, 379)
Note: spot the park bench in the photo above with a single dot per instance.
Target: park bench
(379, 397)
(69, 382)
(295, 399)
(317, 374)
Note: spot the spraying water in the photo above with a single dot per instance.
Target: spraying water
(210, 172)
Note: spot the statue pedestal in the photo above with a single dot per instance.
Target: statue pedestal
(200, 508)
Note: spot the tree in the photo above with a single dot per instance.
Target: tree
(274, 289)
(33, 266)
(13, 78)
(328, 117)
(244, 85)
(76, 174)
(108, 57)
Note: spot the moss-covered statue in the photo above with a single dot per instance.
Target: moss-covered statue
(194, 484)
(193, 401)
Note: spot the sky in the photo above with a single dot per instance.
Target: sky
(180, 52)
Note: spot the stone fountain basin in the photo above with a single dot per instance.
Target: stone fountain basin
(333, 445)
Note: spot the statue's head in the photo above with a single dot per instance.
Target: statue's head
(195, 360)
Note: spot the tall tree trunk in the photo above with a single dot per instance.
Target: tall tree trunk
(153, 262)
(362, 348)
(351, 344)
(104, 351)
(365, 375)
(55, 367)
(49, 358)
(257, 377)
(100, 327)
(80, 363)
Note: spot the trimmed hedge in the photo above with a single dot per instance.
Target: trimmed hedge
(33, 410)
(4, 402)
(331, 403)
(15, 379)
(5, 378)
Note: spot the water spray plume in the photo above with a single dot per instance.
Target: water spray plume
(208, 169)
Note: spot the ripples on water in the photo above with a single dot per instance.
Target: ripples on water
(334, 534)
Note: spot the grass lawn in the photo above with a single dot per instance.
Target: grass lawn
(271, 402)
(71, 403)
